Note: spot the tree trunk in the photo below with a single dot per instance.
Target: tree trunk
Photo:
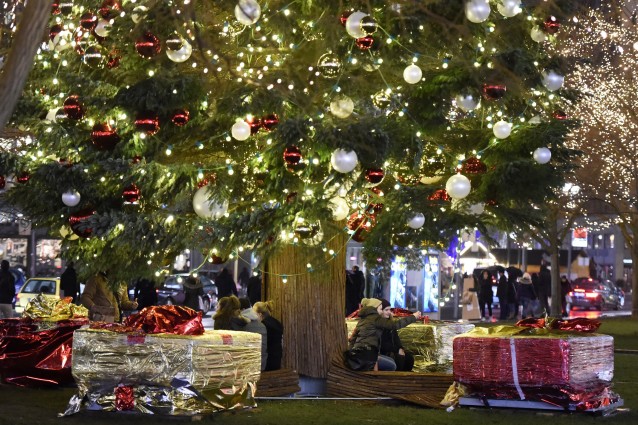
(311, 305)
(556, 305)
(20, 59)
(634, 280)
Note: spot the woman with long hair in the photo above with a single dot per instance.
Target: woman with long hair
(274, 331)
(228, 316)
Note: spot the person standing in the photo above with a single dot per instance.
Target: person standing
(275, 334)
(242, 280)
(253, 289)
(145, 293)
(225, 284)
(7, 291)
(193, 292)
(255, 326)
(355, 285)
(565, 288)
(485, 294)
(104, 303)
(544, 289)
(69, 283)
(501, 293)
(527, 296)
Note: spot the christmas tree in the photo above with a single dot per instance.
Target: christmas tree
(287, 128)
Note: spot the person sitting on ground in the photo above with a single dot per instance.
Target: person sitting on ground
(391, 345)
(255, 326)
(275, 332)
(366, 337)
(228, 316)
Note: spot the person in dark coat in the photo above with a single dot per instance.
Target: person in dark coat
(565, 288)
(193, 290)
(253, 289)
(275, 334)
(485, 294)
(69, 283)
(513, 289)
(225, 284)
(501, 293)
(543, 291)
(242, 279)
(528, 296)
(7, 291)
(355, 285)
(391, 345)
(145, 293)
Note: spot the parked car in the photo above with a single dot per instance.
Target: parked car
(19, 277)
(48, 286)
(171, 292)
(593, 293)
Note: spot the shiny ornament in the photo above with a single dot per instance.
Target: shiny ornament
(73, 108)
(240, 130)
(61, 41)
(102, 28)
(93, 56)
(292, 155)
(360, 225)
(306, 231)
(54, 30)
(374, 175)
(23, 177)
(560, 115)
(502, 129)
(139, 13)
(71, 198)
(339, 208)
(131, 194)
(509, 8)
(552, 81)
(354, 26)
(110, 9)
(369, 25)
(81, 40)
(341, 106)
(412, 74)
(344, 17)
(148, 46)
(551, 25)
(494, 91)
(416, 221)
(207, 208)
(88, 21)
(113, 59)
(178, 50)
(344, 161)
(477, 11)
(269, 122)
(458, 186)
(538, 35)
(542, 155)
(329, 65)
(467, 102)
(473, 165)
(364, 43)
(535, 120)
(430, 179)
(147, 122)
(79, 220)
(104, 137)
(247, 12)
(52, 115)
(180, 117)
(255, 125)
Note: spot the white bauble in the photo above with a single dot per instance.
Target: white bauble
(502, 129)
(344, 161)
(542, 155)
(477, 209)
(535, 120)
(353, 24)
(467, 102)
(477, 11)
(102, 28)
(416, 221)
(458, 186)
(61, 41)
(341, 106)
(247, 12)
(538, 35)
(71, 198)
(509, 8)
(205, 207)
(51, 115)
(181, 55)
(431, 179)
(240, 130)
(339, 208)
(552, 81)
(139, 13)
(412, 74)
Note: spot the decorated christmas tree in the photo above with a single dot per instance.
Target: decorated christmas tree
(287, 128)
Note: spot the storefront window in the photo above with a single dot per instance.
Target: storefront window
(47, 257)
(14, 250)
(609, 240)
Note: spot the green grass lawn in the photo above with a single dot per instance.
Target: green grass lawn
(39, 406)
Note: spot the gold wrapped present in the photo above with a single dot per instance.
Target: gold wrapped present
(54, 310)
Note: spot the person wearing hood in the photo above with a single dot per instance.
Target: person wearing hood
(228, 316)
(527, 296)
(366, 337)
(391, 345)
(255, 326)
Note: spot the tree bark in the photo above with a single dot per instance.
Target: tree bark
(556, 304)
(20, 59)
(311, 305)
(634, 280)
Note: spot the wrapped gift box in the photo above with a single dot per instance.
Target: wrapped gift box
(165, 373)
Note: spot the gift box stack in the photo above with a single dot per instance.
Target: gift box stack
(558, 365)
(124, 368)
(35, 350)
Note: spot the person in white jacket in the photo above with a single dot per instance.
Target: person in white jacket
(255, 326)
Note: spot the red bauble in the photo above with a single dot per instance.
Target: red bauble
(269, 121)
(344, 17)
(365, 43)
(3, 182)
(439, 195)
(63, 6)
(292, 155)
(551, 25)
(110, 9)
(148, 46)
(23, 177)
(360, 224)
(104, 137)
(291, 197)
(375, 175)
(88, 21)
(113, 59)
(54, 30)
(210, 178)
(78, 222)
(494, 91)
(255, 125)
(131, 194)
(73, 108)
(81, 41)
(180, 117)
(473, 165)
(136, 159)
(55, 8)
(560, 115)
(148, 122)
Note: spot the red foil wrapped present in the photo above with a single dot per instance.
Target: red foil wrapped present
(124, 397)
(170, 319)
